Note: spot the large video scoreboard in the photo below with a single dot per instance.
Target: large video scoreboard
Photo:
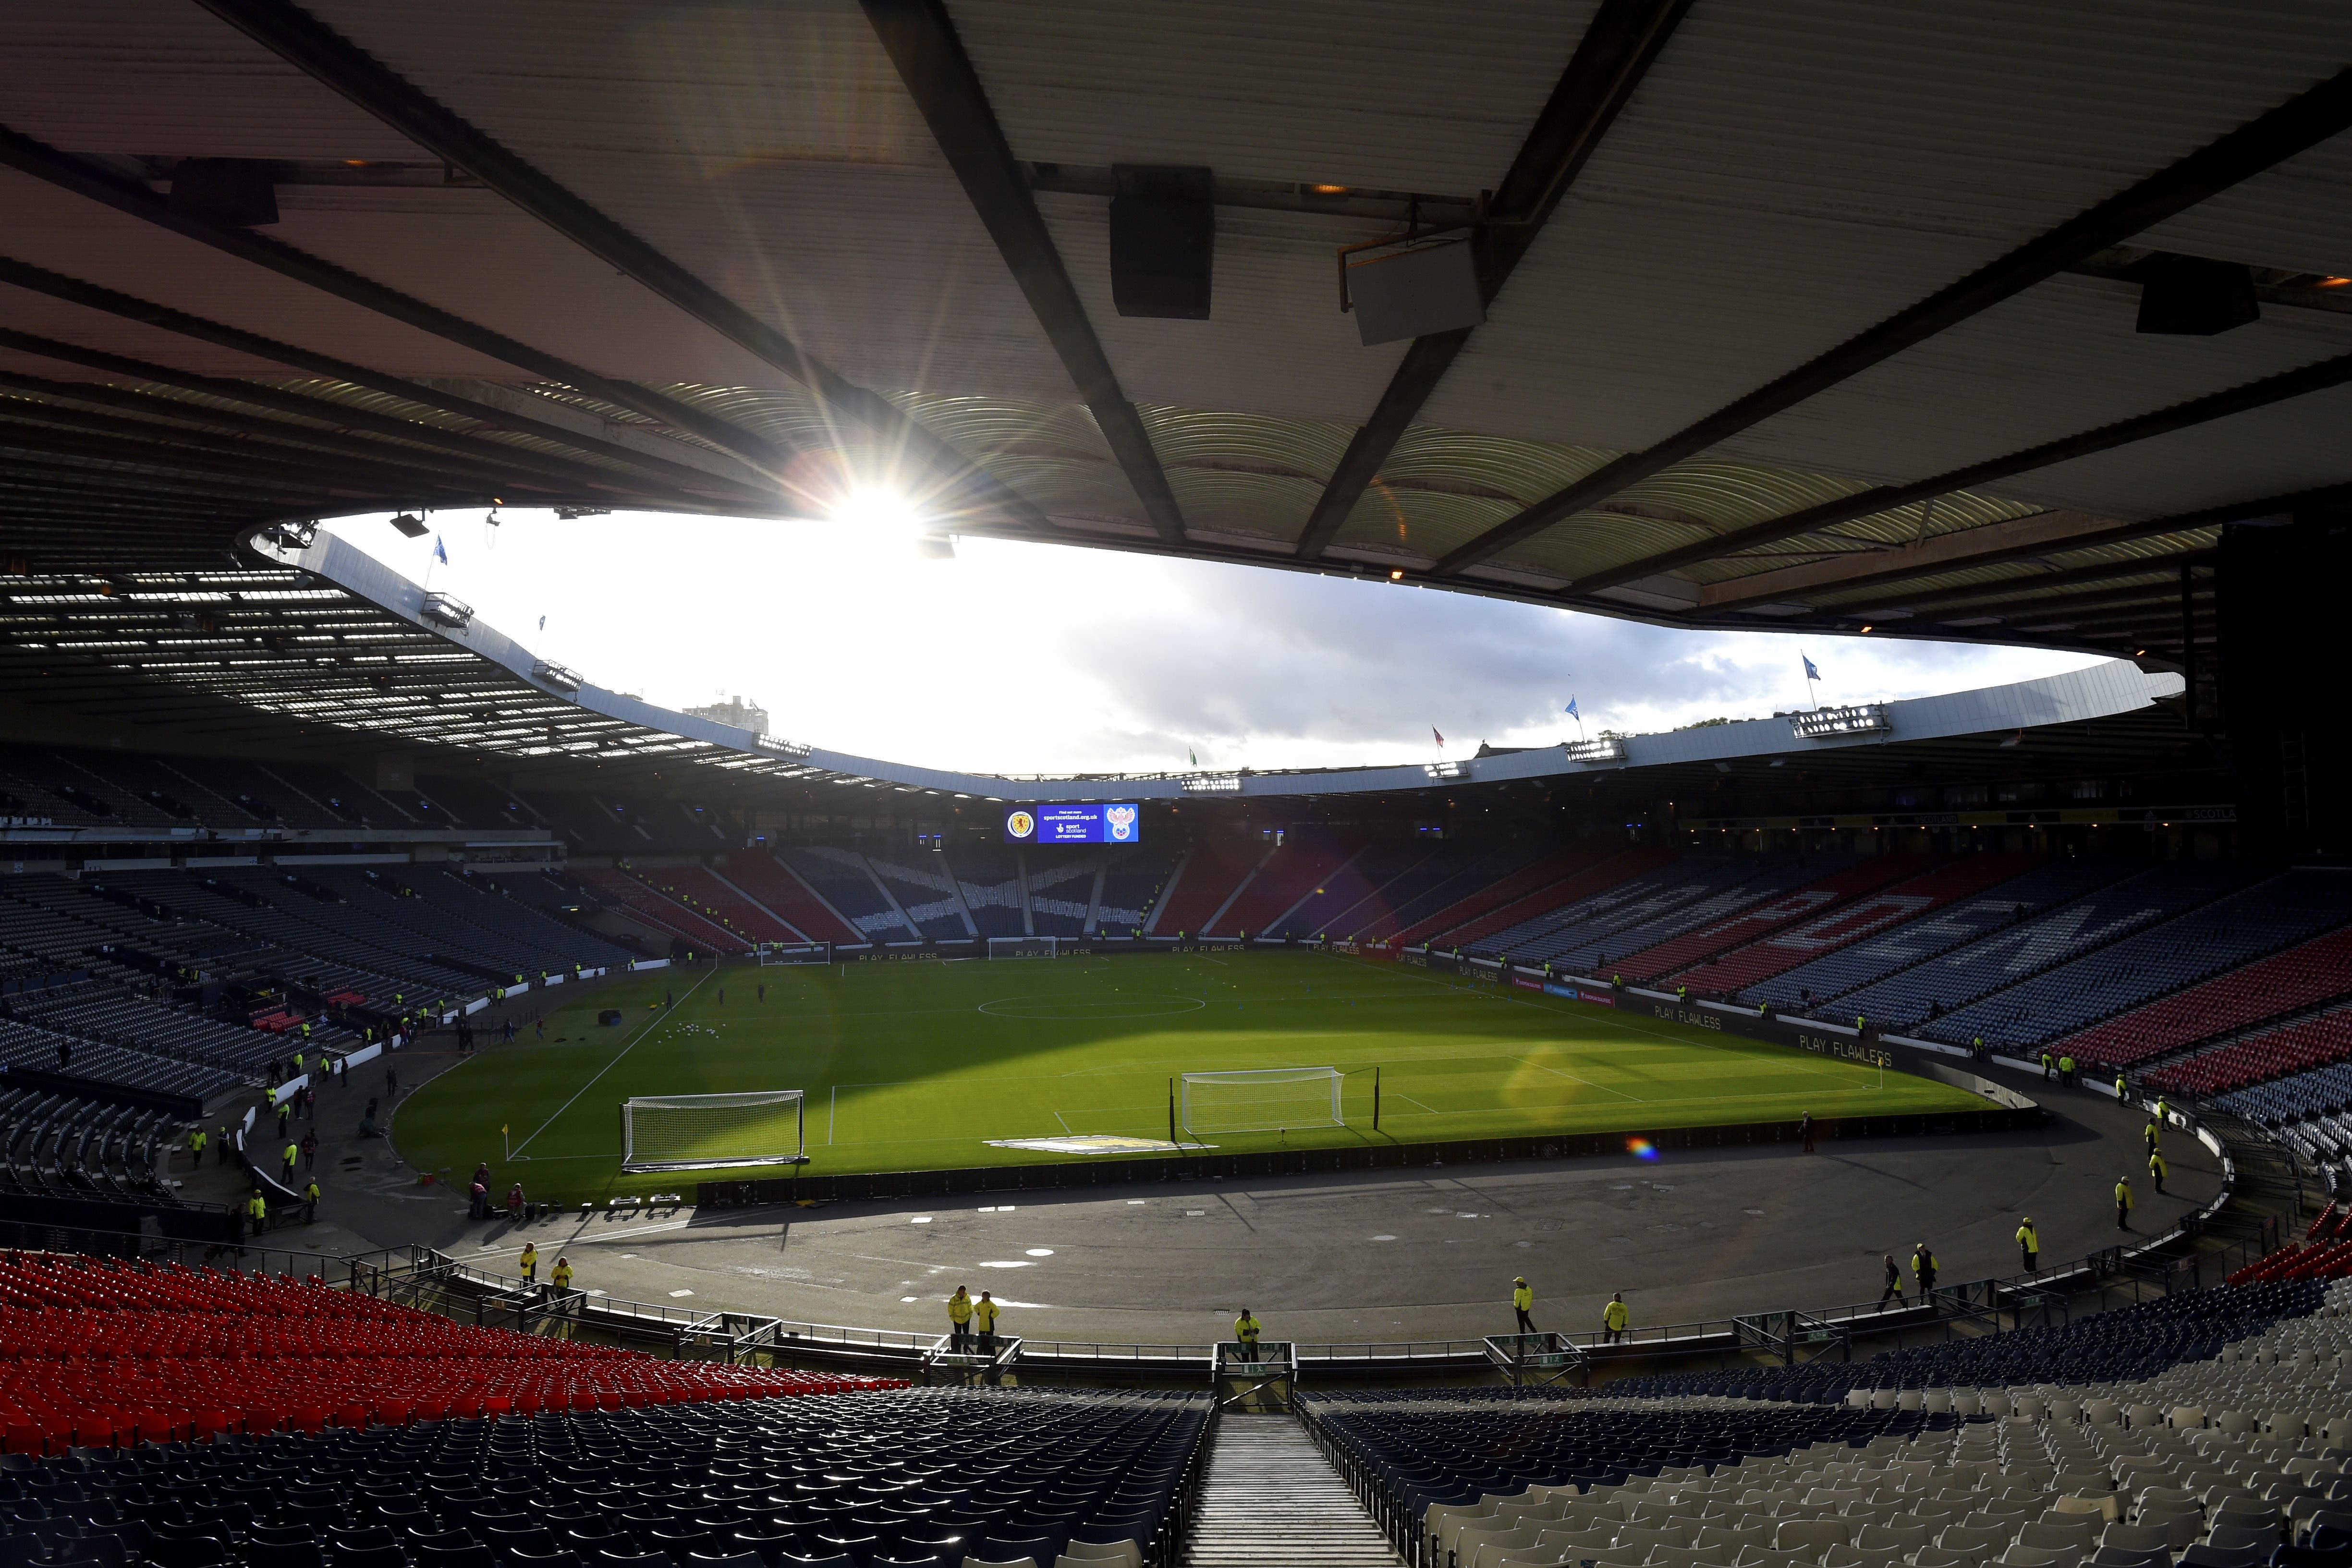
(1083, 823)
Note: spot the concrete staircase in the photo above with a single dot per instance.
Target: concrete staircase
(1270, 1500)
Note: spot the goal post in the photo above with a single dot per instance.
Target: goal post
(707, 1131)
(1024, 948)
(795, 953)
(1261, 1101)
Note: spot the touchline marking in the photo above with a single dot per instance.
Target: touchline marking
(643, 1032)
(832, 1103)
(1588, 1083)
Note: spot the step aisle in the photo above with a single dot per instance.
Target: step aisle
(1270, 1500)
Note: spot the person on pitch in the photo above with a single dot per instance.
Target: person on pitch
(1522, 1299)
(529, 1262)
(2123, 1203)
(2153, 1133)
(1245, 1332)
(1894, 1292)
(2156, 1169)
(1615, 1317)
(1923, 1270)
(2028, 1246)
(983, 1318)
(959, 1321)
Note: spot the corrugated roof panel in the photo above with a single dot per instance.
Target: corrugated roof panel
(162, 77)
(2297, 216)
(1630, 319)
(725, 85)
(50, 228)
(1275, 341)
(1217, 438)
(2294, 446)
(1434, 96)
(2061, 358)
(986, 427)
(1791, 172)
(2018, 577)
(1395, 519)
(1267, 505)
(769, 149)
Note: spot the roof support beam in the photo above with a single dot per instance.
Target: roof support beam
(91, 296)
(334, 62)
(133, 199)
(2283, 387)
(299, 487)
(921, 40)
(492, 462)
(2261, 143)
(433, 464)
(1618, 47)
(324, 469)
(2165, 592)
(1944, 598)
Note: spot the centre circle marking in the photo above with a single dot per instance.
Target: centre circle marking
(1081, 1009)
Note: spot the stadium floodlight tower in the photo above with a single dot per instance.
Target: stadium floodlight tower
(712, 1131)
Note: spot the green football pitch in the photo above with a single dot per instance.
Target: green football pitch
(912, 1066)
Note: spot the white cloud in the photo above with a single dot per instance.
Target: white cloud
(1037, 658)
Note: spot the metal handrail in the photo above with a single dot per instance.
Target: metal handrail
(412, 1270)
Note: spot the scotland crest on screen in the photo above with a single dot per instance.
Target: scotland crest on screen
(1118, 822)
(1019, 825)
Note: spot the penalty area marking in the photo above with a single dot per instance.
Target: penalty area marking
(645, 1029)
(1077, 1009)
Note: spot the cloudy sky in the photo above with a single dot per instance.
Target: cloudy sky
(1034, 658)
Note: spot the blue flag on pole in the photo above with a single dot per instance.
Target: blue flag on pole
(440, 551)
(1571, 709)
(1812, 673)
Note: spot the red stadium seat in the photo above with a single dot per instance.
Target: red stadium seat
(99, 1353)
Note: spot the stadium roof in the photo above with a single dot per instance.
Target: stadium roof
(328, 650)
(1815, 314)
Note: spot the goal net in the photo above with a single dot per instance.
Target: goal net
(1024, 948)
(701, 1131)
(1263, 1099)
(796, 952)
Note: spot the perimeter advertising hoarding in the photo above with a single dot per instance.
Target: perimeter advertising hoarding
(1118, 822)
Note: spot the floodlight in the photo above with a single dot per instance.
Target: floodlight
(447, 609)
(1829, 723)
(547, 673)
(410, 524)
